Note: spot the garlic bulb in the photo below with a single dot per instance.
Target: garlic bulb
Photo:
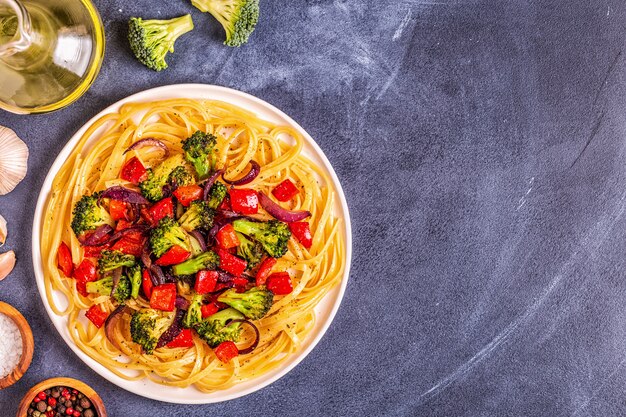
(13, 160)
(3, 230)
(7, 263)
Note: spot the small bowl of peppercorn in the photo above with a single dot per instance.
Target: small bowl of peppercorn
(61, 397)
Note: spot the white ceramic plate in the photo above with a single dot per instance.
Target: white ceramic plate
(326, 310)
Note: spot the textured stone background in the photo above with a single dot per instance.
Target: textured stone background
(481, 147)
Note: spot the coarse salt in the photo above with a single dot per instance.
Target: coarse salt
(10, 345)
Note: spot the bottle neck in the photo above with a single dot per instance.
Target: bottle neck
(15, 28)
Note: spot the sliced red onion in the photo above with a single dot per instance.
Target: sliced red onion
(149, 142)
(280, 213)
(111, 322)
(181, 303)
(145, 255)
(124, 194)
(158, 277)
(224, 277)
(100, 236)
(256, 339)
(255, 169)
(210, 181)
(201, 241)
(174, 330)
(137, 228)
(117, 274)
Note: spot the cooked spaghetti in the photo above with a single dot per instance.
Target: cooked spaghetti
(96, 164)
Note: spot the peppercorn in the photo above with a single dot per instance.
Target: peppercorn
(30, 411)
(61, 409)
(69, 411)
(41, 406)
(89, 413)
(76, 413)
(78, 408)
(55, 392)
(85, 403)
(52, 401)
(36, 413)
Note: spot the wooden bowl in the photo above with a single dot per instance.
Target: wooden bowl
(28, 345)
(95, 399)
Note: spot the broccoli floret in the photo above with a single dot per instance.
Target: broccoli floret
(167, 234)
(194, 313)
(134, 276)
(88, 215)
(147, 326)
(273, 234)
(113, 259)
(254, 303)
(206, 260)
(200, 152)
(238, 17)
(151, 40)
(214, 329)
(180, 177)
(197, 216)
(152, 187)
(105, 285)
(249, 250)
(217, 193)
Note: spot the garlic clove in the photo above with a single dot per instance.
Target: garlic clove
(3, 230)
(13, 160)
(7, 263)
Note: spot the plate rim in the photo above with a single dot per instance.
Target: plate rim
(153, 95)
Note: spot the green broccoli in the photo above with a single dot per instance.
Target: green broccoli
(254, 303)
(105, 285)
(180, 177)
(197, 216)
(167, 234)
(217, 193)
(88, 215)
(159, 177)
(134, 276)
(238, 17)
(113, 259)
(206, 260)
(249, 250)
(200, 152)
(147, 326)
(215, 330)
(273, 234)
(194, 313)
(151, 40)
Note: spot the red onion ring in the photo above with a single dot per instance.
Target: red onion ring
(137, 228)
(174, 330)
(145, 255)
(256, 339)
(198, 236)
(111, 322)
(255, 169)
(117, 274)
(210, 181)
(280, 213)
(158, 277)
(149, 142)
(124, 194)
(98, 237)
(181, 303)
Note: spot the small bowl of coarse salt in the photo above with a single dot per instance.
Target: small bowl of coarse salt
(16, 345)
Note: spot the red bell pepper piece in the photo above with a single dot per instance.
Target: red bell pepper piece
(302, 232)
(226, 351)
(94, 251)
(118, 210)
(285, 191)
(184, 339)
(205, 281)
(240, 283)
(96, 315)
(231, 263)
(134, 171)
(264, 270)
(122, 224)
(208, 310)
(244, 201)
(64, 260)
(279, 283)
(163, 297)
(85, 272)
(161, 209)
(227, 237)
(189, 193)
(146, 283)
(174, 255)
(129, 246)
(225, 204)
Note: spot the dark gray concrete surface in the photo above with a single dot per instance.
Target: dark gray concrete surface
(481, 145)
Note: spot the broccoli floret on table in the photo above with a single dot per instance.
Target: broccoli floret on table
(238, 17)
